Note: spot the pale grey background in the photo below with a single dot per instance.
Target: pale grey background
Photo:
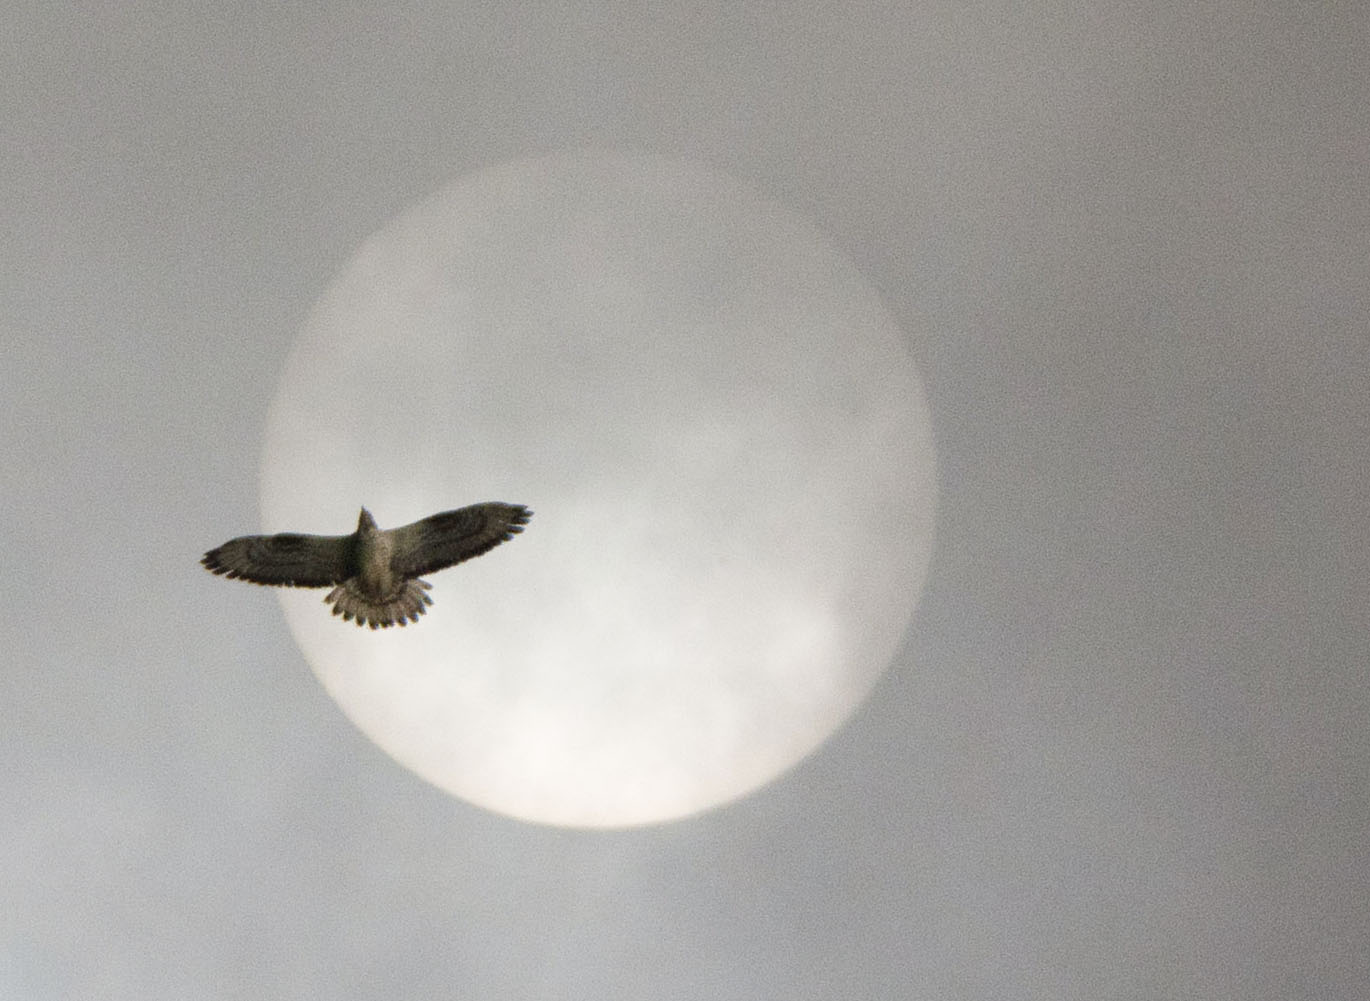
(1123, 753)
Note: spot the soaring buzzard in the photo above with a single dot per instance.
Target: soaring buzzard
(374, 573)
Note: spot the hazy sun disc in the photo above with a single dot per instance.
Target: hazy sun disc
(724, 441)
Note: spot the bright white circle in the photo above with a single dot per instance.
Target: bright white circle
(726, 446)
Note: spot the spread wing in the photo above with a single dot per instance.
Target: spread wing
(288, 560)
(443, 540)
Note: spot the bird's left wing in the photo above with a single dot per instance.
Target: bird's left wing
(286, 560)
(443, 540)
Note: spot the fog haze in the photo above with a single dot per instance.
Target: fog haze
(1122, 751)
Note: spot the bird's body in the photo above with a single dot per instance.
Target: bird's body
(374, 572)
(373, 552)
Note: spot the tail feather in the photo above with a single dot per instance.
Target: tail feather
(404, 607)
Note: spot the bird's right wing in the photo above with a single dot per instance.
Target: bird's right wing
(286, 560)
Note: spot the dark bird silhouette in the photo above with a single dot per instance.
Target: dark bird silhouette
(374, 573)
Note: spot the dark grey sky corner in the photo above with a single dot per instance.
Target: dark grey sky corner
(1123, 750)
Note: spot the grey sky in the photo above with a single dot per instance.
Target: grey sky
(1123, 751)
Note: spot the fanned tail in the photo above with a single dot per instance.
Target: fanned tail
(406, 606)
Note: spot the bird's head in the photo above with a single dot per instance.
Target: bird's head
(366, 523)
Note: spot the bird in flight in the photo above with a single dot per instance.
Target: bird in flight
(374, 573)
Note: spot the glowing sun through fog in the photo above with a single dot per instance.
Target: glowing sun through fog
(726, 444)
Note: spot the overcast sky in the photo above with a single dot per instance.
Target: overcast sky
(1122, 752)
